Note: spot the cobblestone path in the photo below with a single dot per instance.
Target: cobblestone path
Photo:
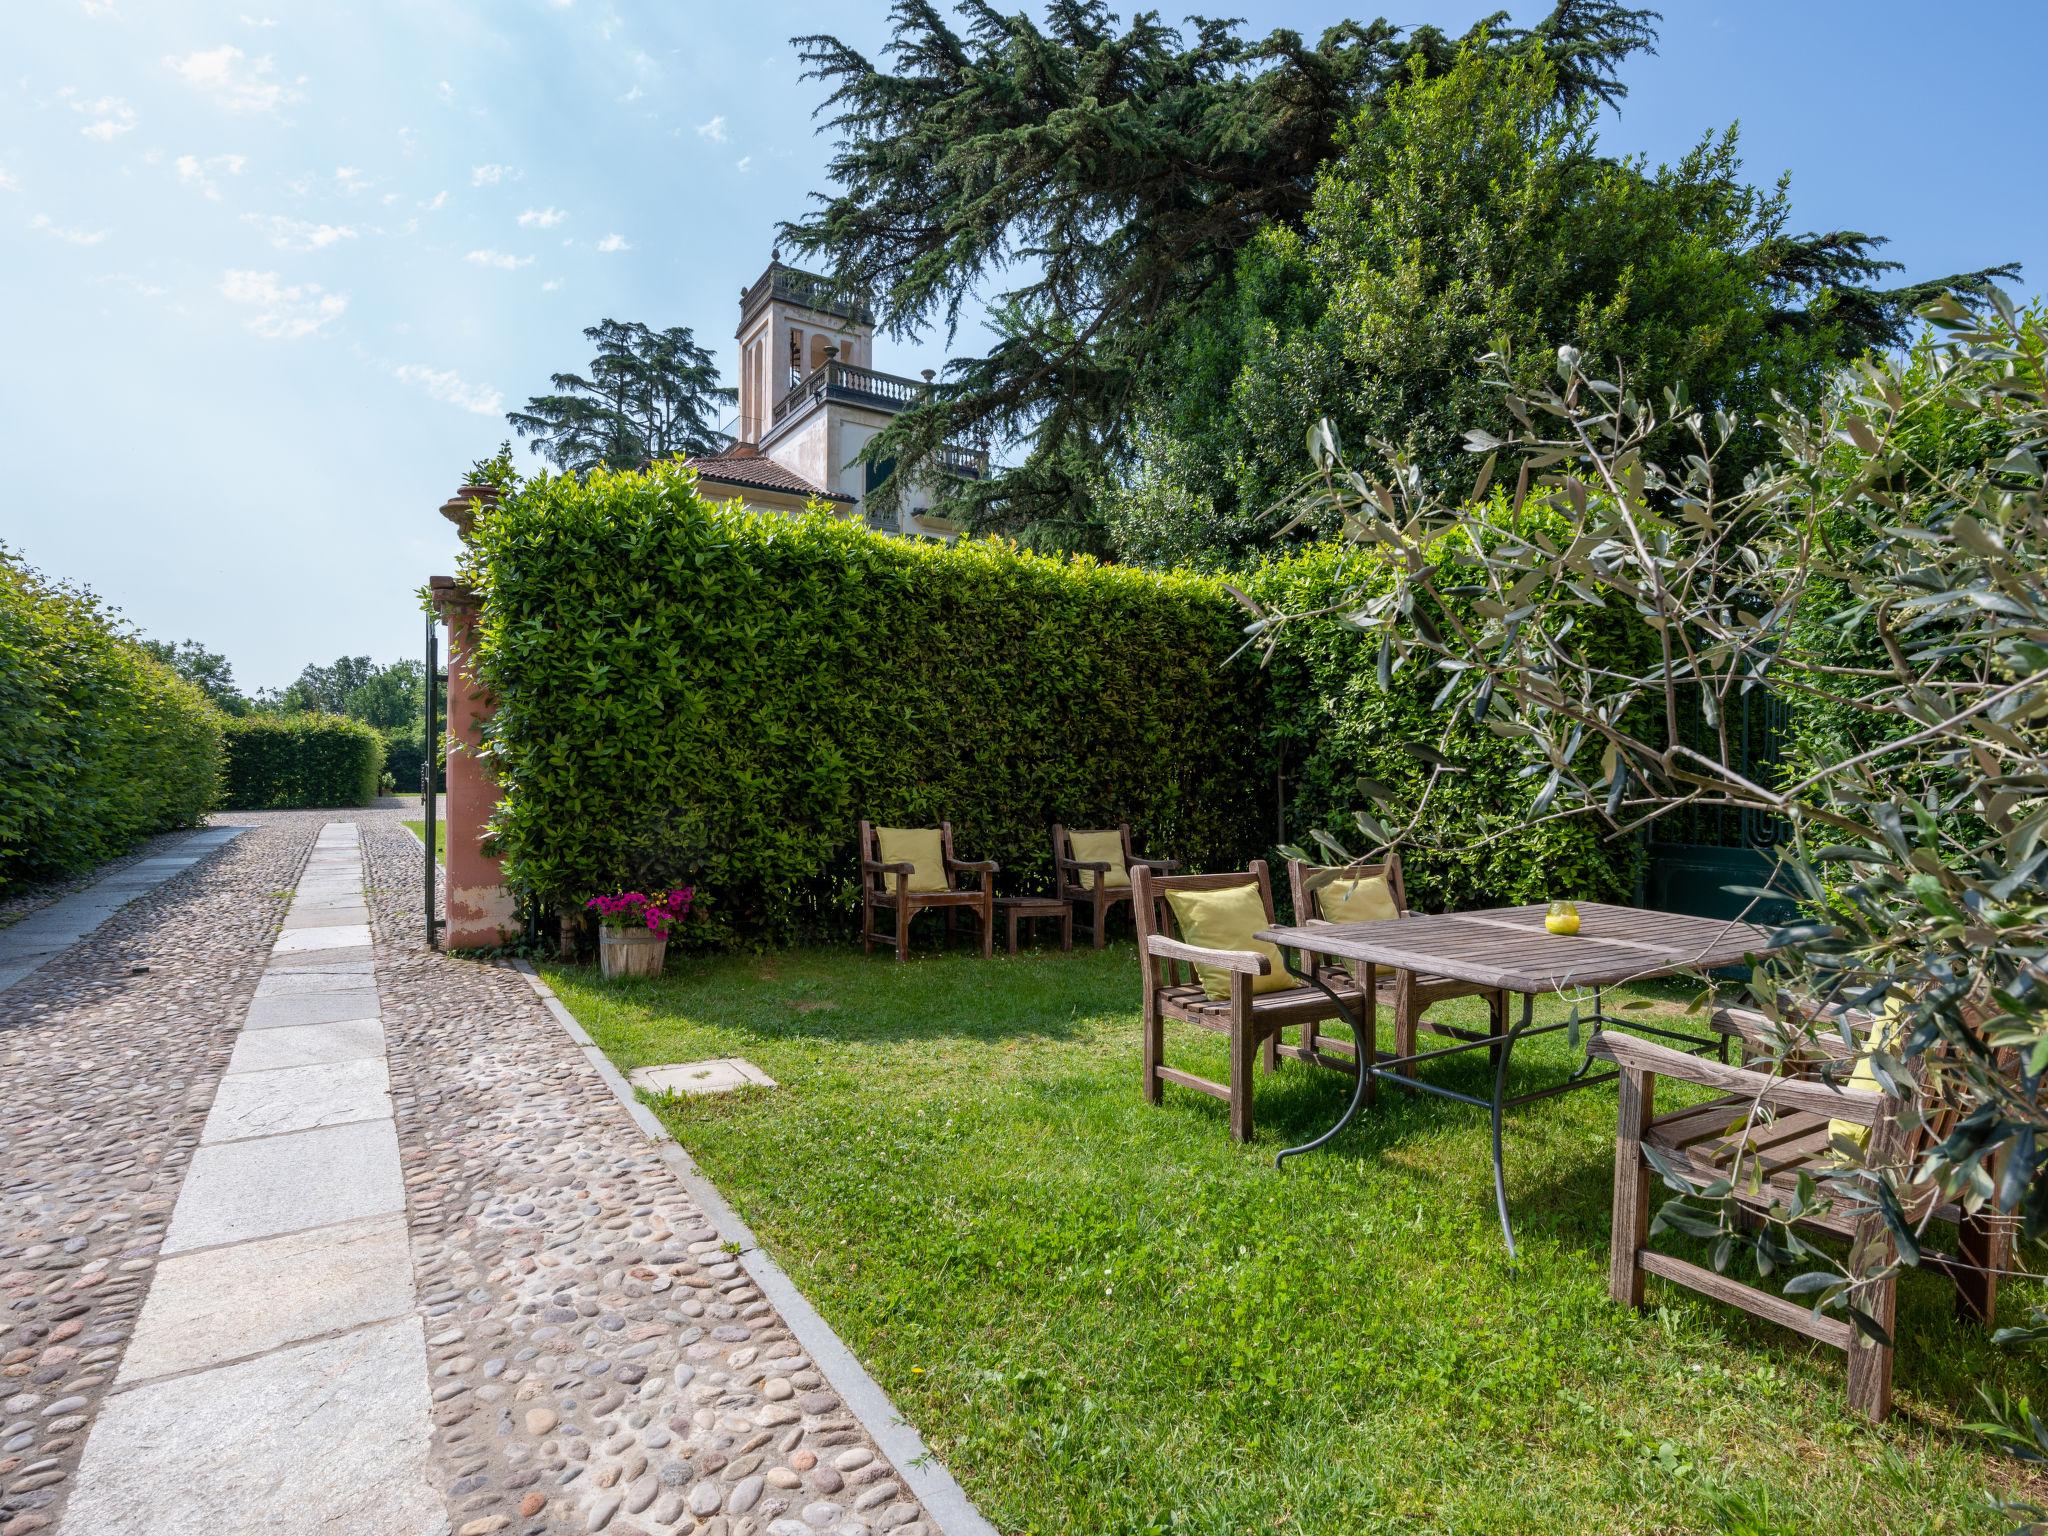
(581, 1351)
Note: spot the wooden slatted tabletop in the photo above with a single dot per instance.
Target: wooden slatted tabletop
(1509, 946)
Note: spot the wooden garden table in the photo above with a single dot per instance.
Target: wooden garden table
(1509, 948)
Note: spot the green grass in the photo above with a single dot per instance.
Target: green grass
(1108, 1318)
(419, 830)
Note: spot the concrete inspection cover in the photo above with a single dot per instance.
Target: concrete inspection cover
(687, 1077)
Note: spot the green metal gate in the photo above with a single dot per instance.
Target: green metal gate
(1697, 854)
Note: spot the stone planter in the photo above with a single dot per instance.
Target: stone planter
(631, 951)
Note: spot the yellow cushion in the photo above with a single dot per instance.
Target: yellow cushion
(1887, 1035)
(1366, 899)
(1227, 919)
(1101, 848)
(917, 846)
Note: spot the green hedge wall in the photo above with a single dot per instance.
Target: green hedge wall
(692, 692)
(100, 744)
(283, 762)
(1329, 724)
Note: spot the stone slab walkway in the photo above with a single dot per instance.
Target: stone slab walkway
(47, 932)
(307, 1228)
(276, 1379)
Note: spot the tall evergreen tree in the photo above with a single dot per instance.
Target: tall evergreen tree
(648, 395)
(1122, 168)
(1119, 172)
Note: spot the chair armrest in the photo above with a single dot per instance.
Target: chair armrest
(1163, 866)
(1101, 866)
(975, 866)
(1632, 1053)
(1242, 961)
(1757, 1030)
(872, 867)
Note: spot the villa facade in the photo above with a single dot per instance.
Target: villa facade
(811, 400)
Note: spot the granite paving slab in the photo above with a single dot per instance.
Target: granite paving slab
(251, 1104)
(226, 1304)
(328, 1006)
(246, 1189)
(305, 941)
(201, 1455)
(307, 1045)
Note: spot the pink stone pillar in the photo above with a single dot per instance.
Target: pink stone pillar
(480, 909)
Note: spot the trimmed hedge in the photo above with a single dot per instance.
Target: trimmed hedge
(693, 693)
(1329, 724)
(286, 762)
(100, 743)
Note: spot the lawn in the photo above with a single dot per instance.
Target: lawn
(1107, 1318)
(419, 830)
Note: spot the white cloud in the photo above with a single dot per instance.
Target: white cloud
(491, 175)
(256, 21)
(713, 130)
(198, 174)
(57, 231)
(541, 218)
(446, 92)
(436, 203)
(614, 242)
(350, 180)
(289, 234)
(9, 182)
(111, 116)
(551, 285)
(142, 287)
(284, 312)
(234, 81)
(98, 8)
(449, 387)
(744, 164)
(499, 259)
(408, 142)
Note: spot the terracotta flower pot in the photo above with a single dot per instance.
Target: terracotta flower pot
(631, 951)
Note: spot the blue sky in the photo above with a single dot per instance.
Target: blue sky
(273, 272)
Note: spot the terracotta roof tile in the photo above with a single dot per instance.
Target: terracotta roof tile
(758, 473)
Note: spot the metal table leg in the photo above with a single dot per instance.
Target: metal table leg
(1362, 1048)
(1500, 1093)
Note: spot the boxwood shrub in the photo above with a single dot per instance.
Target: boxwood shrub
(694, 692)
(282, 762)
(100, 743)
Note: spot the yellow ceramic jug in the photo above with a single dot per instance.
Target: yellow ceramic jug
(1562, 919)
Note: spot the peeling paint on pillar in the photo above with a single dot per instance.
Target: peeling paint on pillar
(480, 910)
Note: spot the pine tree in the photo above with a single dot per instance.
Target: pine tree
(649, 395)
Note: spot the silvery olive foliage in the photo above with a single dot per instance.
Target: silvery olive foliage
(1887, 577)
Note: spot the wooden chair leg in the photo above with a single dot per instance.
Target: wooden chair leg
(1631, 1190)
(1870, 1363)
(903, 931)
(1407, 1023)
(1269, 1052)
(949, 928)
(1244, 1049)
(1100, 907)
(1067, 929)
(1981, 1249)
(867, 925)
(987, 909)
(1155, 1051)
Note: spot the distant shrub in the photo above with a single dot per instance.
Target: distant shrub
(100, 743)
(282, 762)
(405, 746)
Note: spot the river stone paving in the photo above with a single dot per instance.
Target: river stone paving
(109, 1055)
(599, 1361)
(304, 1233)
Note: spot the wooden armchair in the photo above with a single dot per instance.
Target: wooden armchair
(1769, 1130)
(1410, 995)
(1098, 883)
(1253, 1020)
(907, 888)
